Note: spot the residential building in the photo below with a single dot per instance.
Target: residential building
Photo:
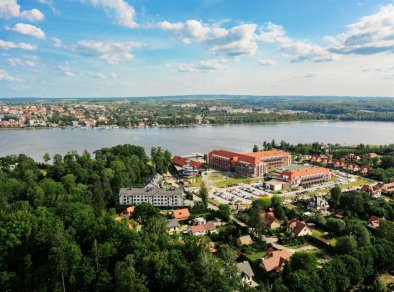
(299, 228)
(306, 176)
(270, 220)
(157, 197)
(244, 240)
(371, 155)
(275, 259)
(318, 204)
(373, 222)
(181, 214)
(128, 212)
(388, 188)
(374, 190)
(254, 164)
(202, 229)
(246, 272)
(173, 225)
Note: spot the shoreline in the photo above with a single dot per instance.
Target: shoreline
(191, 125)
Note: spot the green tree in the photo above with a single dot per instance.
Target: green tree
(346, 244)
(127, 278)
(46, 157)
(255, 148)
(203, 194)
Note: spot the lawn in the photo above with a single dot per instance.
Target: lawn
(254, 256)
(215, 176)
(387, 279)
(195, 181)
(358, 182)
(317, 232)
(235, 180)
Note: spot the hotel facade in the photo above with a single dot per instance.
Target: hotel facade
(306, 176)
(156, 197)
(254, 164)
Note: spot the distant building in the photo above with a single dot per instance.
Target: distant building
(276, 185)
(244, 240)
(186, 166)
(370, 155)
(374, 190)
(246, 272)
(373, 222)
(270, 220)
(157, 197)
(306, 176)
(275, 260)
(318, 204)
(388, 188)
(254, 164)
(299, 228)
(181, 214)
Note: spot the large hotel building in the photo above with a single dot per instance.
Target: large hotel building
(306, 176)
(254, 164)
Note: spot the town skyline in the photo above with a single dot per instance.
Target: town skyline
(147, 48)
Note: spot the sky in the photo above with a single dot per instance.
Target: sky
(111, 48)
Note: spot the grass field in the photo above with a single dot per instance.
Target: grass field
(215, 176)
(195, 181)
(254, 256)
(358, 182)
(235, 180)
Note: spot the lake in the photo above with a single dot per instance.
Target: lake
(195, 139)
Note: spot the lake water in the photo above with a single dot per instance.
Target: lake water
(196, 139)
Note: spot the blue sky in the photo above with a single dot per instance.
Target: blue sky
(84, 48)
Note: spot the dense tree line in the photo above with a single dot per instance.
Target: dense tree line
(58, 233)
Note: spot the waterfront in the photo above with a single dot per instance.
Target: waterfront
(36, 142)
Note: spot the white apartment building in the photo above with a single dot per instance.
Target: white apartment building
(156, 197)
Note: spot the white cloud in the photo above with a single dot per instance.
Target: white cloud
(123, 12)
(370, 35)
(298, 51)
(4, 76)
(235, 41)
(11, 9)
(111, 52)
(66, 70)
(202, 66)
(104, 76)
(30, 61)
(6, 45)
(267, 62)
(27, 29)
(57, 43)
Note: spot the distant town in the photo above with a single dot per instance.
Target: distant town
(183, 112)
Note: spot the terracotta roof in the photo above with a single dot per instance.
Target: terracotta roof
(246, 239)
(181, 214)
(292, 174)
(275, 259)
(373, 221)
(251, 158)
(181, 161)
(203, 227)
(269, 218)
(371, 189)
(297, 226)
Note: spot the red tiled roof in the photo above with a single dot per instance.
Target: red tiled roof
(181, 161)
(181, 214)
(203, 227)
(292, 174)
(251, 158)
(275, 259)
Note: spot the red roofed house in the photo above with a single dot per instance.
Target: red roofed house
(373, 222)
(299, 228)
(364, 169)
(306, 176)
(181, 214)
(374, 191)
(275, 259)
(254, 164)
(388, 188)
(202, 229)
(270, 220)
(129, 211)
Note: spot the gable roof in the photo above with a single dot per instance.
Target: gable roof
(292, 174)
(203, 227)
(297, 226)
(245, 268)
(245, 239)
(181, 214)
(275, 259)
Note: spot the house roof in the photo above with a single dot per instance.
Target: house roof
(296, 173)
(172, 223)
(275, 259)
(245, 239)
(297, 226)
(181, 161)
(181, 214)
(373, 220)
(245, 268)
(269, 218)
(371, 189)
(203, 227)
(251, 158)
